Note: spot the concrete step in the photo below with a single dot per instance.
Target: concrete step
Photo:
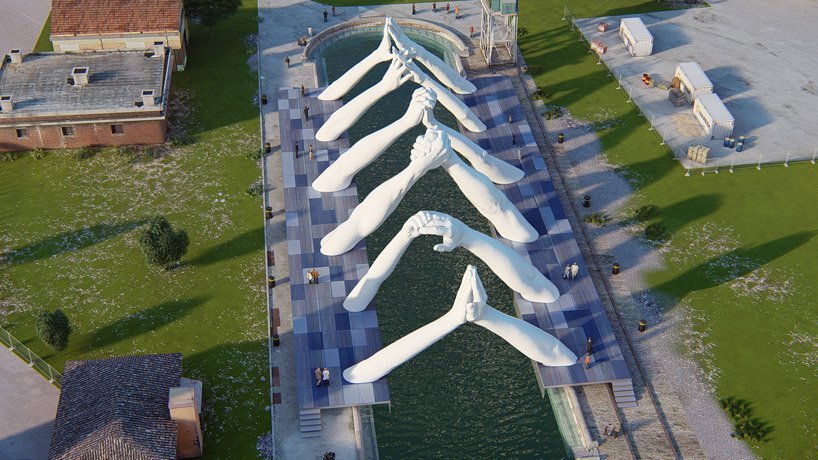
(622, 383)
(306, 429)
(309, 411)
(315, 422)
(624, 399)
(618, 394)
(626, 405)
(311, 417)
(311, 434)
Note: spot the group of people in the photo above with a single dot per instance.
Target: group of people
(434, 9)
(312, 276)
(612, 430)
(570, 271)
(321, 376)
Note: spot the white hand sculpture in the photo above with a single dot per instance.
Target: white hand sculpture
(396, 75)
(430, 151)
(463, 114)
(469, 306)
(492, 167)
(339, 174)
(351, 77)
(513, 269)
(443, 72)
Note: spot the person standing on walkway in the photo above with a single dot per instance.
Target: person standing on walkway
(566, 272)
(587, 361)
(325, 376)
(574, 270)
(471, 31)
(306, 113)
(413, 9)
(457, 12)
(325, 15)
(333, 10)
(312, 151)
(318, 376)
(287, 61)
(447, 7)
(434, 7)
(590, 345)
(303, 90)
(310, 32)
(608, 430)
(296, 149)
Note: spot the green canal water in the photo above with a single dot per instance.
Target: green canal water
(471, 395)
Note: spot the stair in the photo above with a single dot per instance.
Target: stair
(310, 423)
(623, 393)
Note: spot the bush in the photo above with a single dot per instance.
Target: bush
(655, 232)
(152, 152)
(127, 153)
(38, 154)
(180, 140)
(161, 244)
(53, 328)
(646, 212)
(256, 189)
(85, 153)
(598, 218)
(8, 156)
(255, 155)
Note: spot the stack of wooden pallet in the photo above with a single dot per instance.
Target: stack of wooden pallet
(676, 96)
(698, 153)
(599, 46)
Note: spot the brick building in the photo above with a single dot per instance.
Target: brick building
(53, 101)
(127, 408)
(104, 25)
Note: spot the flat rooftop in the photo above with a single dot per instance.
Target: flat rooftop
(116, 80)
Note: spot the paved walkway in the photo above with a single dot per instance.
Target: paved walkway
(28, 405)
(21, 22)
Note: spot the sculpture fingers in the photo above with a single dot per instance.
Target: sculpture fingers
(463, 114)
(497, 170)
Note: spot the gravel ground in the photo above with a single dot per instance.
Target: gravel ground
(684, 389)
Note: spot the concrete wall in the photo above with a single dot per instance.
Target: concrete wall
(86, 134)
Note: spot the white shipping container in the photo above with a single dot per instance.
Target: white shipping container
(713, 116)
(636, 37)
(692, 80)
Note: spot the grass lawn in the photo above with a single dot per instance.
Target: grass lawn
(69, 239)
(43, 41)
(741, 249)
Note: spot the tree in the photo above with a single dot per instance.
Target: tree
(210, 12)
(53, 328)
(161, 244)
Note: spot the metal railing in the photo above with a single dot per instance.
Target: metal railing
(678, 149)
(30, 358)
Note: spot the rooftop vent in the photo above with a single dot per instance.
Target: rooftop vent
(159, 48)
(80, 76)
(16, 56)
(6, 104)
(148, 98)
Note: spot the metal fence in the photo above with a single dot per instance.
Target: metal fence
(711, 165)
(30, 358)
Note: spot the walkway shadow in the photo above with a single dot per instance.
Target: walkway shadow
(144, 321)
(239, 245)
(734, 264)
(70, 241)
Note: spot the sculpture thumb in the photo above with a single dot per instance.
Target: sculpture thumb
(444, 247)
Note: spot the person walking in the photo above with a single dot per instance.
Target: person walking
(296, 149)
(413, 9)
(574, 270)
(310, 32)
(310, 279)
(325, 376)
(333, 10)
(447, 7)
(471, 31)
(325, 15)
(312, 151)
(287, 61)
(587, 361)
(434, 7)
(590, 345)
(566, 272)
(318, 376)
(314, 276)
(457, 12)
(306, 113)
(608, 430)
(303, 90)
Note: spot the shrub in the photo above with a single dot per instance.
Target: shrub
(180, 140)
(161, 244)
(85, 153)
(255, 189)
(38, 154)
(255, 155)
(8, 156)
(598, 218)
(127, 153)
(152, 152)
(655, 232)
(53, 328)
(646, 212)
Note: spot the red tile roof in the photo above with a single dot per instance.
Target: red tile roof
(94, 17)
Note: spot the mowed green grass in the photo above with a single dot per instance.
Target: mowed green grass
(742, 246)
(69, 235)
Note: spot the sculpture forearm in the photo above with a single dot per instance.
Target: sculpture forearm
(378, 272)
(350, 112)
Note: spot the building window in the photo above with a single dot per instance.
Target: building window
(117, 129)
(22, 133)
(67, 131)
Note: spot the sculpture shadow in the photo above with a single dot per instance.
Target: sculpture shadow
(239, 245)
(70, 241)
(143, 321)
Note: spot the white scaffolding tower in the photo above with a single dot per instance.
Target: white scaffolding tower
(498, 31)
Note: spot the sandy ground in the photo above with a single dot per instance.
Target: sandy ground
(760, 60)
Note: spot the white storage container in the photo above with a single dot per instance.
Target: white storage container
(636, 37)
(713, 116)
(692, 80)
